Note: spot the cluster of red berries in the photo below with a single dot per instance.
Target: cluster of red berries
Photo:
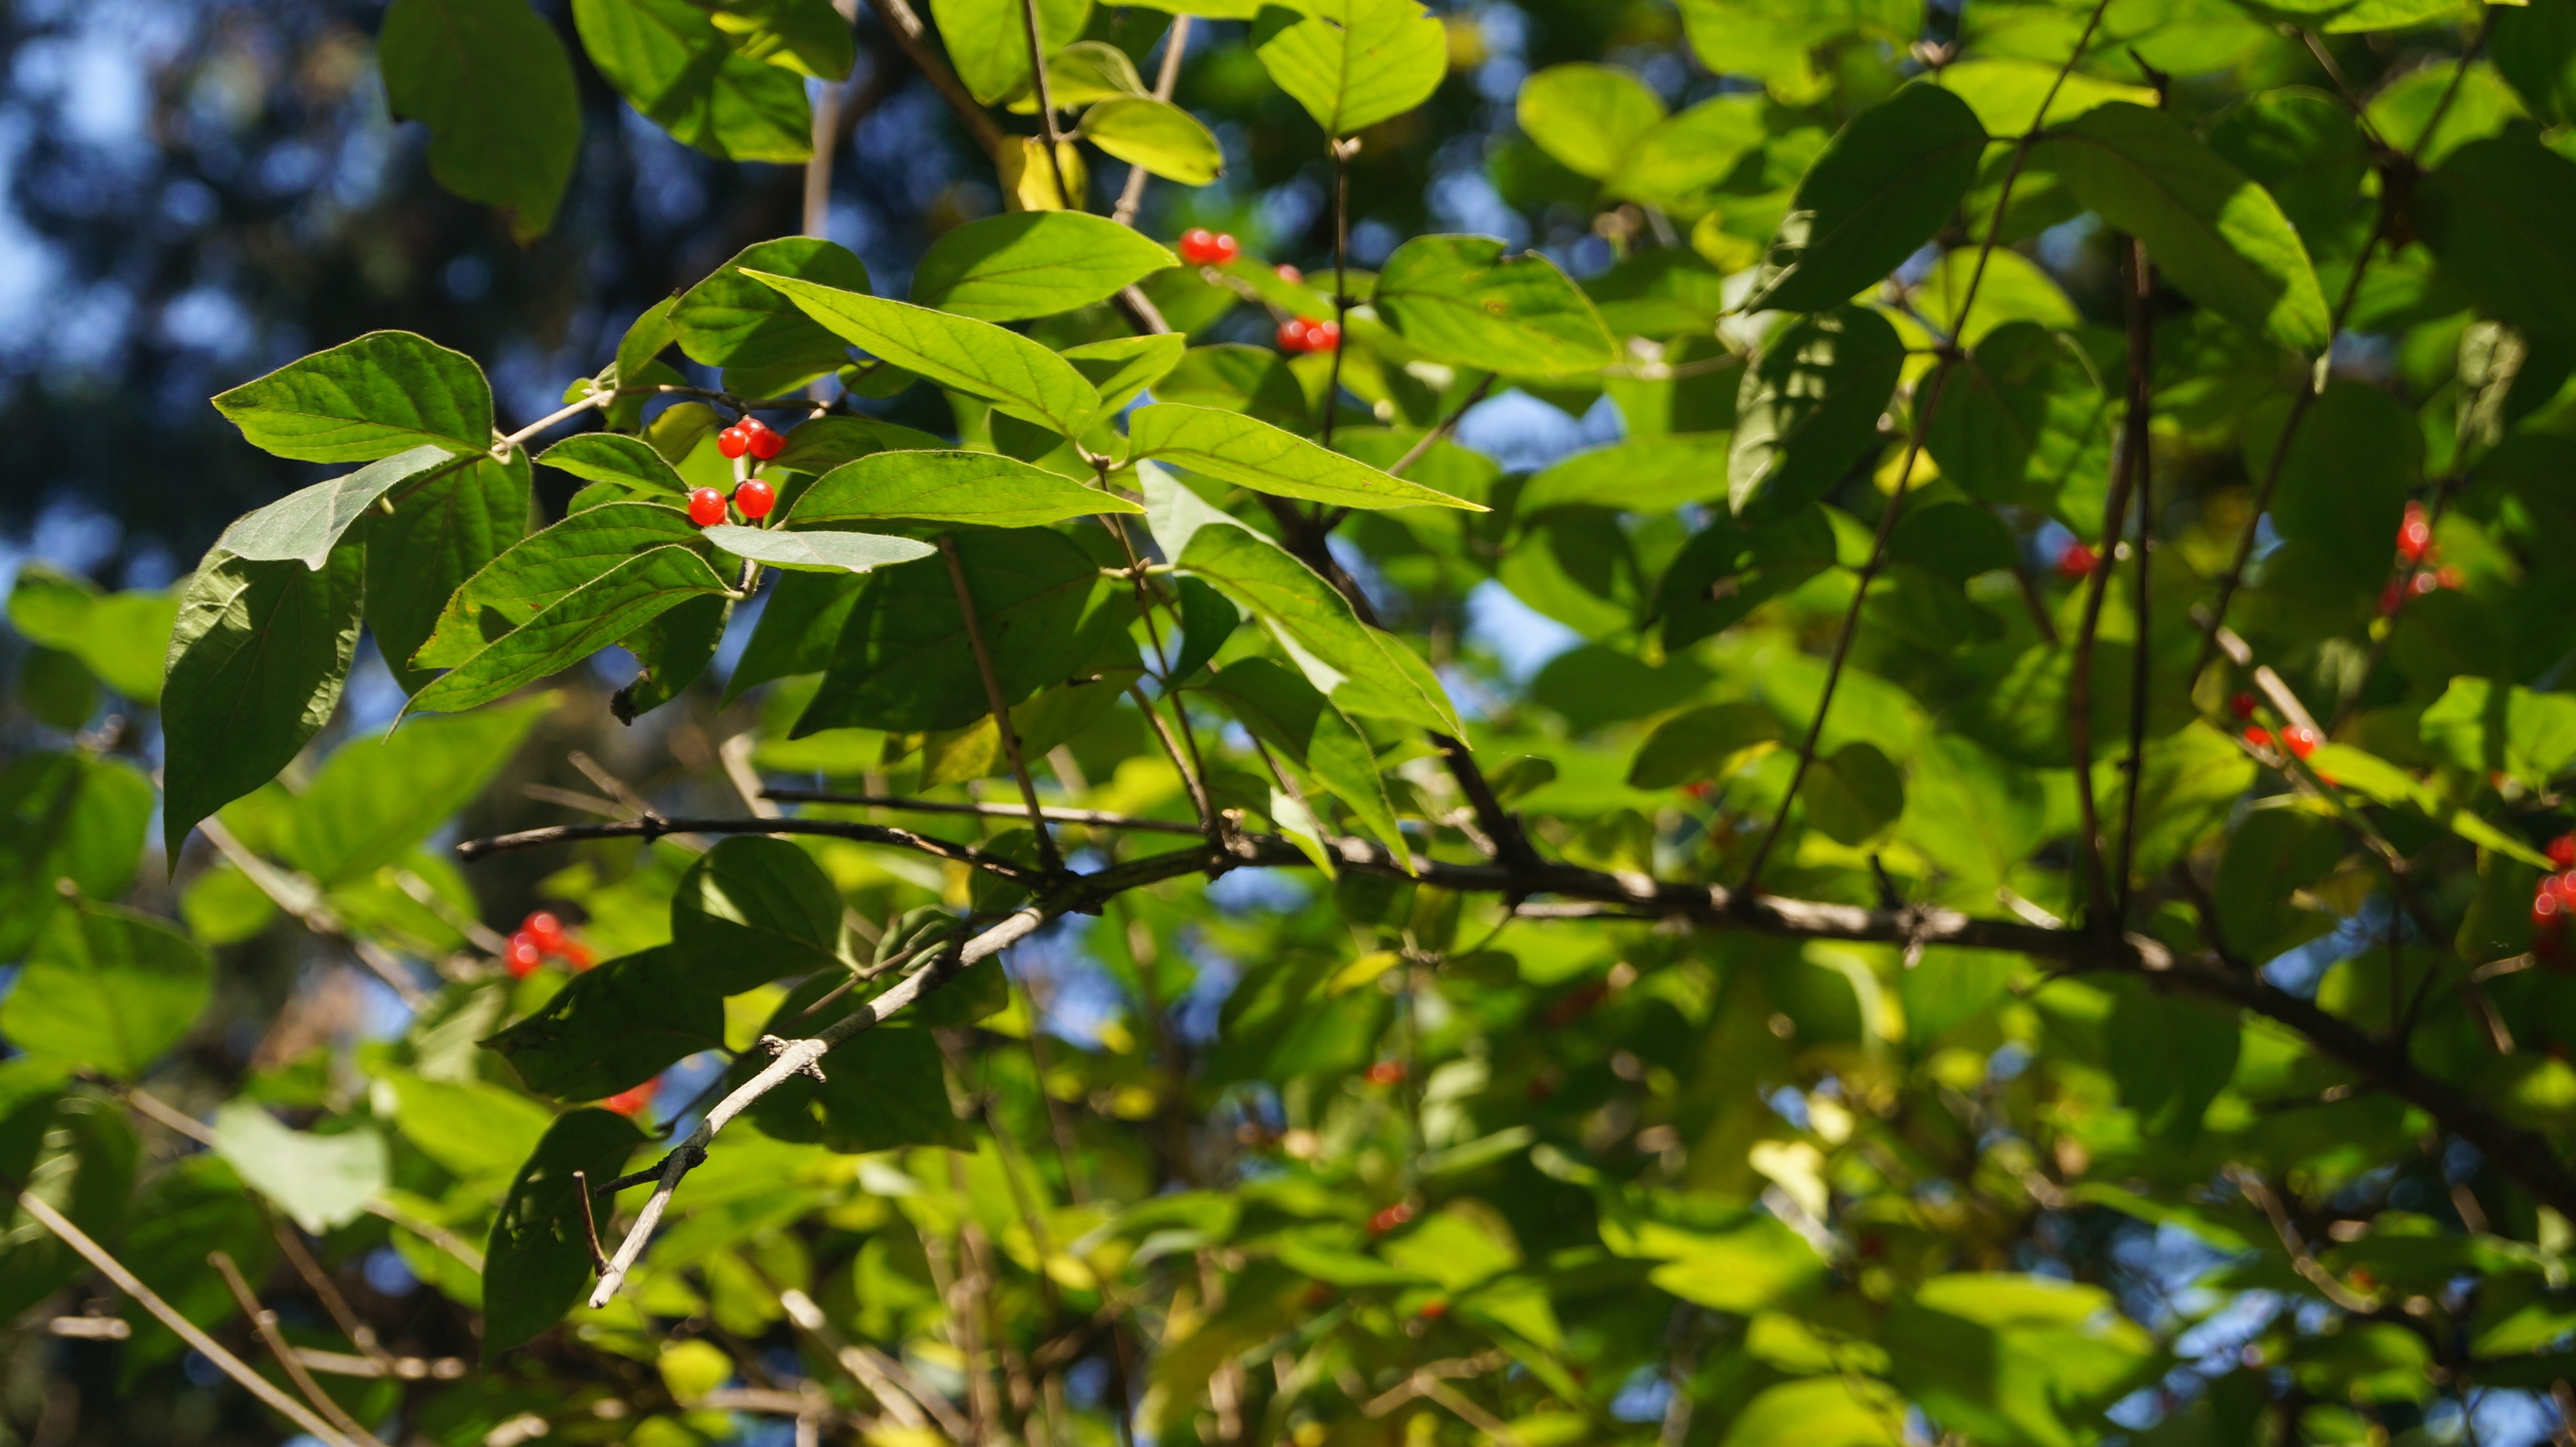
(752, 496)
(754, 436)
(1388, 1218)
(2077, 563)
(1202, 247)
(1300, 335)
(2299, 739)
(1385, 1072)
(2416, 549)
(542, 936)
(2554, 900)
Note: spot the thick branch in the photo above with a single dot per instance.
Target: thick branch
(657, 826)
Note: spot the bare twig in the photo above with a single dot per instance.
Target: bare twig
(1176, 44)
(300, 898)
(1000, 702)
(188, 1331)
(657, 828)
(1342, 151)
(906, 27)
(1433, 438)
(264, 1322)
(1088, 818)
(1054, 139)
(2142, 469)
(1929, 394)
(324, 1289)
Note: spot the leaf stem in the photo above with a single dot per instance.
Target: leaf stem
(1342, 151)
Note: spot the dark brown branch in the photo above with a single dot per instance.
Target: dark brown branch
(1088, 818)
(906, 28)
(264, 1322)
(994, 697)
(1047, 132)
(2142, 469)
(656, 827)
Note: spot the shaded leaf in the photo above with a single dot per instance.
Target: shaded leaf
(814, 551)
(1251, 453)
(614, 1027)
(107, 988)
(491, 79)
(1891, 179)
(537, 1264)
(1462, 300)
(979, 488)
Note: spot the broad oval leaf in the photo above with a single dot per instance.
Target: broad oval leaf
(379, 797)
(305, 525)
(1157, 135)
(814, 551)
(65, 816)
(1033, 264)
(1885, 185)
(574, 626)
(384, 393)
(257, 659)
(1809, 409)
(2209, 229)
(986, 42)
(1459, 299)
(124, 637)
(614, 457)
(443, 532)
(614, 1027)
(323, 1181)
(2501, 216)
(1587, 116)
(1121, 368)
(979, 488)
(1649, 475)
(491, 79)
(1238, 449)
(1675, 163)
(537, 1263)
(519, 584)
(107, 988)
(751, 910)
(1353, 63)
(1015, 374)
(672, 63)
(766, 346)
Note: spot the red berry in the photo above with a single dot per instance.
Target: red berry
(1386, 1072)
(2301, 739)
(2242, 705)
(2259, 736)
(2562, 885)
(2547, 913)
(523, 955)
(733, 442)
(2076, 563)
(1293, 335)
(1288, 274)
(767, 443)
(2446, 577)
(1323, 336)
(1432, 1310)
(1223, 249)
(576, 954)
(755, 497)
(546, 930)
(2562, 851)
(630, 1100)
(1390, 1218)
(1198, 246)
(2427, 582)
(2415, 534)
(706, 507)
(752, 426)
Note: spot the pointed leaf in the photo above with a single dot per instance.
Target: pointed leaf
(1286, 712)
(492, 80)
(1004, 368)
(980, 488)
(574, 626)
(1123, 367)
(1033, 264)
(1461, 300)
(519, 584)
(384, 393)
(672, 63)
(614, 1027)
(811, 551)
(444, 532)
(107, 988)
(1353, 63)
(1651, 475)
(766, 345)
(989, 47)
(306, 525)
(323, 1181)
(1889, 180)
(1157, 135)
(1808, 409)
(751, 910)
(613, 457)
(1237, 449)
(537, 1264)
(1587, 116)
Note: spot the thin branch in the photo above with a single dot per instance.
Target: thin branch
(1132, 197)
(264, 1322)
(169, 1316)
(1088, 818)
(300, 898)
(1342, 151)
(993, 694)
(1046, 112)
(1210, 825)
(1433, 438)
(2142, 469)
(908, 33)
(319, 1282)
(1930, 394)
(658, 827)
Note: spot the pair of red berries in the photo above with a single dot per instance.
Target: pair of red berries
(1202, 247)
(1385, 1072)
(754, 497)
(1300, 335)
(754, 436)
(2297, 738)
(1389, 1218)
(539, 937)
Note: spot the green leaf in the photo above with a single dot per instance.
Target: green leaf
(824, 443)
(443, 533)
(2171, 1057)
(1889, 181)
(1085, 72)
(1353, 63)
(1854, 793)
(2486, 730)
(65, 816)
(2006, 92)
(574, 626)
(2193, 779)
(614, 1027)
(474, 1130)
(1727, 570)
(796, 631)
(1971, 812)
(1286, 712)
(882, 1089)
(2015, 288)
(766, 346)
(2344, 483)
(613, 457)
(1676, 163)
(1459, 299)
(121, 637)
(1826, 1411)
(1703, 744)
(1649, 476)
(542, 570)
(672, 63)
(1359, 668)
(988, 42)
(491, 79)
(1808, 410)
(196, 1207)
(2019, 417)
(810, 37)
(2209, 229)
(979, 488)
(1004, 368)
(2018, 1361)
(673, 649)
(753, 909)
(1121, 368)
(903, 661)
(537, 1264)
(2501, 216)
(384, 393)
(1587, 116)
(84, 1155)
(812, 551)
(323, 1181)
(378, 798)
(1157, 135)
(2274, 854)
(107, 988)
(2473, 106)
(1250, 453)
(306, 525)
(257, 659)
(1032, 264)
(1254, 381)
(2535, 47)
